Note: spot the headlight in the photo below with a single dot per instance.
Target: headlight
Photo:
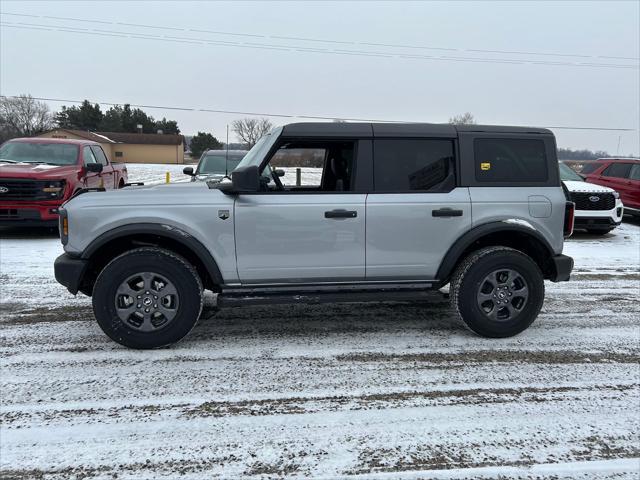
(54, 189)
(616, 194)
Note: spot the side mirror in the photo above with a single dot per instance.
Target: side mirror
(188, 171)
(279, 172)
(94, 167)
(243, 180)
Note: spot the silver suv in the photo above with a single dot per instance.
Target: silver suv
(386, 211)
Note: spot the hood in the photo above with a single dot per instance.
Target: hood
(180, 193)
(584, 187)
(36, 171)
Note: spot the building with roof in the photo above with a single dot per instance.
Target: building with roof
(130, 147)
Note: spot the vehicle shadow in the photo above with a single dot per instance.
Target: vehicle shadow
(434, 316)
(29, 232)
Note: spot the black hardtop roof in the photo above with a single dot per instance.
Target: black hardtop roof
(349, 129)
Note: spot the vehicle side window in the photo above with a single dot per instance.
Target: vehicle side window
(406, 165)
(617, 170)
(325, 166)
(88, 156)
(99, 155)
(590, 167)
(510, 160)
(635, 172)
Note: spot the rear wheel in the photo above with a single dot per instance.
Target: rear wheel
(497, 291)
(147, 298)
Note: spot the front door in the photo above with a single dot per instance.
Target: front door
(93, 180)
(307, 226)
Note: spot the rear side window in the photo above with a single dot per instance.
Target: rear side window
(635, 172)
(510, 160)
(406, 165)
(590, 167)
(618, 170)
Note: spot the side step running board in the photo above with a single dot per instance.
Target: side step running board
(238, 299)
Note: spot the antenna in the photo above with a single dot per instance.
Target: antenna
(226, 156)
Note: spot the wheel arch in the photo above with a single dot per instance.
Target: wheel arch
(114, 242)
(515, 235)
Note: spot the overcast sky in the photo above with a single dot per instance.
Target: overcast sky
(328, 66)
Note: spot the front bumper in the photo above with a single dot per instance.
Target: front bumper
(599, 219)
(26, 214)
(69, 271)
(562, 266)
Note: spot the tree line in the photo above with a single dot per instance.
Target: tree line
(24, 116)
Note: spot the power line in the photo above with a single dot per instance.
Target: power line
(282, 115)
(320, 40)
(297, 48)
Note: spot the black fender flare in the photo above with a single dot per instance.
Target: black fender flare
(160, 230)
(457, 250)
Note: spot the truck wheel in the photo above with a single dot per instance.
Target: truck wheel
(497, 291)
(147, 298)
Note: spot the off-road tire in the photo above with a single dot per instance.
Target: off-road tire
(163, 262)
(467, 280)
(599, 231)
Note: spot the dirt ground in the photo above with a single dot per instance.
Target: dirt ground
(390, 390)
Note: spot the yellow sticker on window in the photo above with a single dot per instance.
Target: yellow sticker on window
(485, 166)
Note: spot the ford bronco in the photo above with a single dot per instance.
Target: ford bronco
(395, 210)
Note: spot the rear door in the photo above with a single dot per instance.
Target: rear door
(308, 231)
(634, 183)
(415, 212)
(616, 176)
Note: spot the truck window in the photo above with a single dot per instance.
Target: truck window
(88, 156)
(407, 165)
(99, 155)
(510, 160)
(617, 170)
(635, 172)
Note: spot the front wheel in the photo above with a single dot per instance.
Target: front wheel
(497, 291)
(147, 298)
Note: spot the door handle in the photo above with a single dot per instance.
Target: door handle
(446, 212)
(341, 214)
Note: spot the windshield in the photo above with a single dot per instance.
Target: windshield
(212, 164)
(260, 149)
(50, 153)
(567, 173)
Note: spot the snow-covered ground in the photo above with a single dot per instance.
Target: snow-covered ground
(392, 390)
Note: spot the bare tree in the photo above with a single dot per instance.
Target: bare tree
(250, 130)
(23, 116)
(464, 119)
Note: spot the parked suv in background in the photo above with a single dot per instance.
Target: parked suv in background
(598, 209)
(215, 164)
(621, 174)
(398, 210)
(38, 174)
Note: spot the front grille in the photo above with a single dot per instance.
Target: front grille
(24, 189)
(593, 201)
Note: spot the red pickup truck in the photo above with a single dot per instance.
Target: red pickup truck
(37, 175)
